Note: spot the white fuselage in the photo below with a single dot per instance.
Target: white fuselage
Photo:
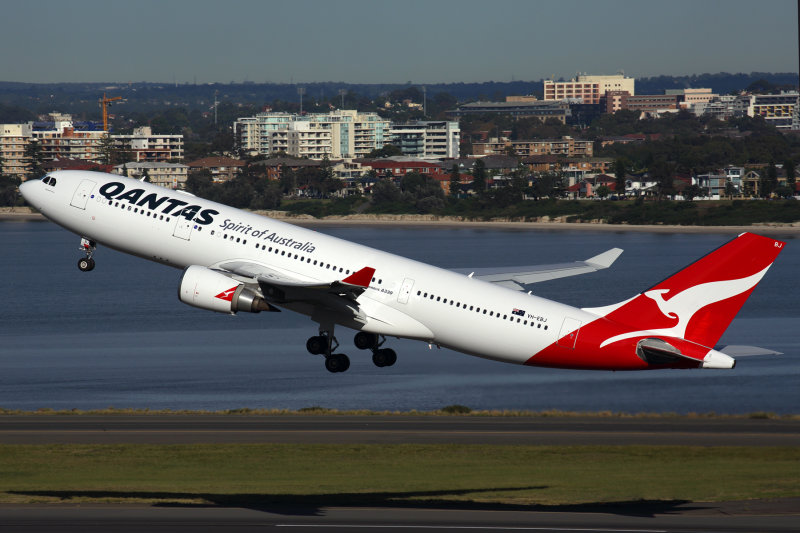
(406, 298)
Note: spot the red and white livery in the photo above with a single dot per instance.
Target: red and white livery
(235, 261)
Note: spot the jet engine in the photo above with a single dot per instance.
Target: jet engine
(211, 290)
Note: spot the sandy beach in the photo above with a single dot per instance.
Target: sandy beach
(26, 214)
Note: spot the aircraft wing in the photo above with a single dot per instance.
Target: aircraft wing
(279, 285)
(517, 277)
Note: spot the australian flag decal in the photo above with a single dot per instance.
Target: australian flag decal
(518, 312)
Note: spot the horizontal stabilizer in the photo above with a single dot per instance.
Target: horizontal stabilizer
(745, 351)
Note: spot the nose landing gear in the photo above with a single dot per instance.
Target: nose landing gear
(85, 264)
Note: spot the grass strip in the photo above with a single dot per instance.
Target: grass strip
(403, 474)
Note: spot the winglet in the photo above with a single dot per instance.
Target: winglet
(606, 259)
(362, 278)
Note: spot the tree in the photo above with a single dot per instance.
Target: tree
(388, 150)
(107, 150)
(730, 190)
(603, 191)
(33, 159)
(479, 177)
(455, 181)
(663, 173)
(385, 192)
(791, 178)
(620, 171)
(769, 181)
(692, 191)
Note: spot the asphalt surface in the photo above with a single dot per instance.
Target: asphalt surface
(666, 517)
(638, 516)
(187, 429)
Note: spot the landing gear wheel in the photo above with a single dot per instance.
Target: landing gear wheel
(317, 345)
(384, 357)
(365, 341)
(85, 264)
(337, 362)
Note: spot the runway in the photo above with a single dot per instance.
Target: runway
(189, 429)
(653, 518)
(629, 517)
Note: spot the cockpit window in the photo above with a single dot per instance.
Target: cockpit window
(49, 180)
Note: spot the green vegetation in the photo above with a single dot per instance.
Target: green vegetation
(410, 474)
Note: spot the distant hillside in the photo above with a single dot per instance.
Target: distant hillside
(18, 99)
(721, 83)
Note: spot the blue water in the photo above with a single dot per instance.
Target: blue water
(118, 336)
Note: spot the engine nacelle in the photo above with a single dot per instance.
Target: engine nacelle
(207, 289)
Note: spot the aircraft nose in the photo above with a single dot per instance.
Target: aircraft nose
(26, 189)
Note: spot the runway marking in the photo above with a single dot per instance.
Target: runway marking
(484, 528)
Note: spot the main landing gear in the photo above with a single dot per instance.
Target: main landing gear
(325, 344)
(85, 264)
(370, 341)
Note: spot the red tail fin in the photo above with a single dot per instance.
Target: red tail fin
(700, 301)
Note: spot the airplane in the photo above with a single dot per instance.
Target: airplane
(237, 261)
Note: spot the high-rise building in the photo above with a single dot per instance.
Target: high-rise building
(588, 89)
(338, 134)
(428, 139)
(776, 109)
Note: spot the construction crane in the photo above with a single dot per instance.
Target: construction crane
(104, 103)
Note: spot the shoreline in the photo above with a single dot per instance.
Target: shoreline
(25, 214)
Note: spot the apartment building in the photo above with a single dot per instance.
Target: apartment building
(566, 146)
(169, 175)
(338, 134)
(63, 139)
(143, 145)
(220, 168)
(13, 140)
(427, 139)
(776, 109)
(588, 89)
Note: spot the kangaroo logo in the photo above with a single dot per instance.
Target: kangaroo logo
(227, 295)
(685, 304)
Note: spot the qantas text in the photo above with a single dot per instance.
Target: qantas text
(172, 206)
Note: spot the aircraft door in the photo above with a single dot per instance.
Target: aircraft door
(82, 194)
(568, 335)
(183, 228)
(405, 291)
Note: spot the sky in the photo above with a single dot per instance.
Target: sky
(397, 41)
